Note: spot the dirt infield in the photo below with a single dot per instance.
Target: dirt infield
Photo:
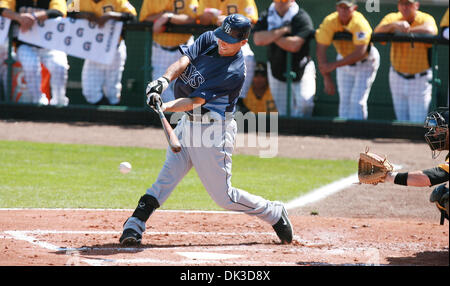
(361, 225)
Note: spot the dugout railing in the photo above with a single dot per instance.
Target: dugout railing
(325, 106)
(380, 103)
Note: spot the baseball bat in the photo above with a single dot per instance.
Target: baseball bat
(172, 139)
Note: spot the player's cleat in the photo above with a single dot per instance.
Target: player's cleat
(130, 237)
(283, 228)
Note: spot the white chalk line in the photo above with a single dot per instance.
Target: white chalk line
(327, 190)
(73, 253)
(310, 197)
(322, 192)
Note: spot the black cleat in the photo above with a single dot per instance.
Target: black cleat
(130, 237)
(283, 228)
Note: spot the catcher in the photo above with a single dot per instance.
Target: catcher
(373, 169)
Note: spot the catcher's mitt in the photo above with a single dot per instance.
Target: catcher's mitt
(372, 169)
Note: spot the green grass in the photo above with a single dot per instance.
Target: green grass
(43, 175)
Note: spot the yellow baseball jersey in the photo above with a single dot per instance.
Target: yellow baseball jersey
(103, 6)
(444, 166)
(358, 26)
(263, 104)
(444, 21)
(188, 7)
(227, 7)
(59, 5)
(405, 57)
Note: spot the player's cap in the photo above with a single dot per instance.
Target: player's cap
(234, 29)
(349, 3)
(261, 68)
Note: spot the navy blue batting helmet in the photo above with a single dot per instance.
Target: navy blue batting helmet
(234, 29)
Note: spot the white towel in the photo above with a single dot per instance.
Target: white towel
(275, 21)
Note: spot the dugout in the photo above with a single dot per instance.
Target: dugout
(137, 73)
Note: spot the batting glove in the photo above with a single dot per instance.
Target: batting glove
(157, 86)
(154, 100)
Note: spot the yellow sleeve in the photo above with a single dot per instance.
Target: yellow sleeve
(249, 10)
(59, 5)
(325, 32)
(444, 21)
(430, 19)
(150, 7)
(390, 18)
(202, 4)
(9, 4)
(361, 31)
(126, 7)
(444, 166)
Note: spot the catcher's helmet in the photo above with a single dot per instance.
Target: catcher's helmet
(234, 29)
(437, 125)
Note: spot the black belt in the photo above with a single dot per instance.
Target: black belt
(411, 76)
(202, 119)
(170, 49)
(363, 61)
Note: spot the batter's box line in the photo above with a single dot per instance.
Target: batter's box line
(75, 259)
(24, 235)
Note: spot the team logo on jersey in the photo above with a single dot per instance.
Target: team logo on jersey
(192, 77)
(72, 20)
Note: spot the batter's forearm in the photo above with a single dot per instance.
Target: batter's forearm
(177, 68)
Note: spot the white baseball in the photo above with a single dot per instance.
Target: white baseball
(125, 167)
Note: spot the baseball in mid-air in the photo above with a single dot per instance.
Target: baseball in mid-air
(125, 167)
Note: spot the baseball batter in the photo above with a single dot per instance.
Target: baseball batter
(213, 12)
(27, 13)
(357, 60)
(410, 73)
(209, 76)
(165, 45)
(104, 80)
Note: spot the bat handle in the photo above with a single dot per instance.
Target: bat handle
(172, 139)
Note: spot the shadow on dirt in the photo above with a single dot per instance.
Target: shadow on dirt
(115, 248)
(427, 258)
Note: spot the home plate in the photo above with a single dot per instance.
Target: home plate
(207, 255)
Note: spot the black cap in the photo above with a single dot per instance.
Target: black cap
(261, 68)
(346, 2)
(234, 29)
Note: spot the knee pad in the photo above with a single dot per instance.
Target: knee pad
(146, 206)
